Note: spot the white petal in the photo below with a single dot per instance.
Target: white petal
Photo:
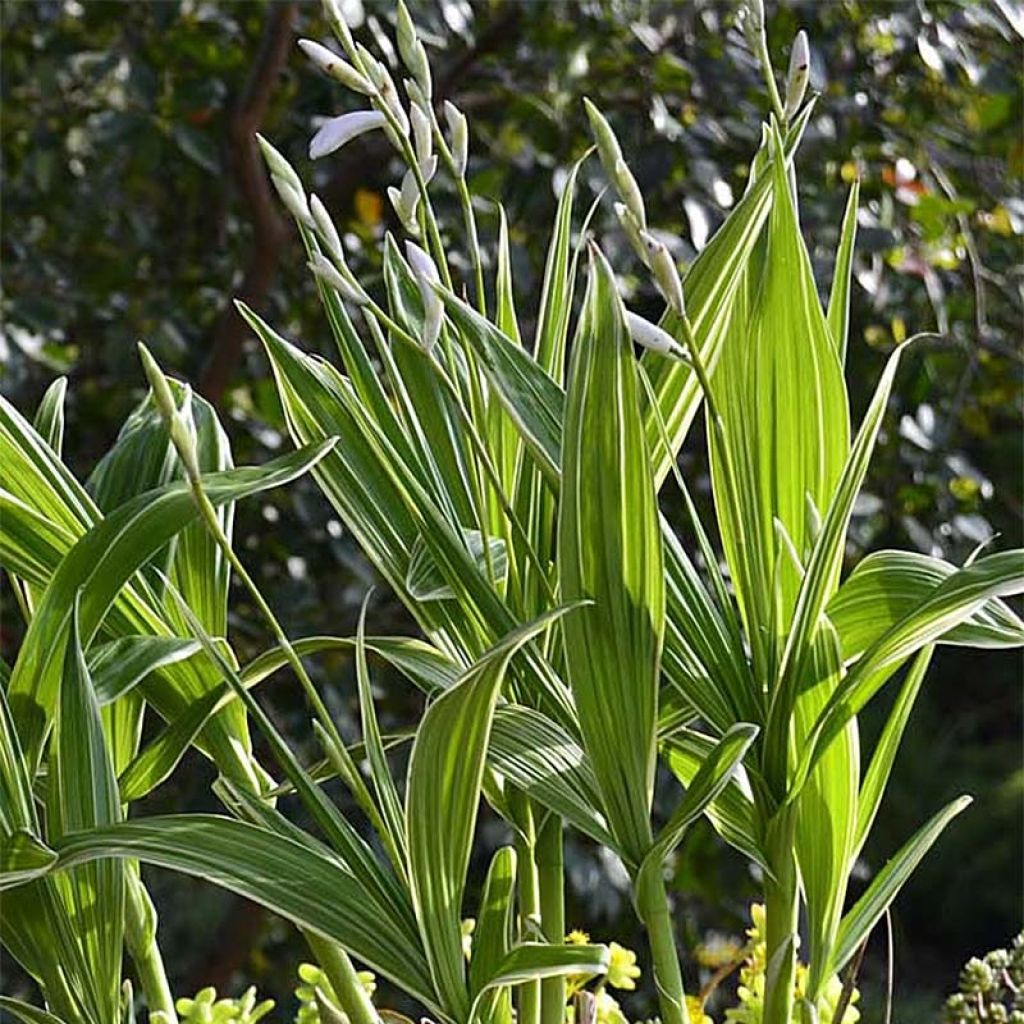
(339, 130)
(648, 335)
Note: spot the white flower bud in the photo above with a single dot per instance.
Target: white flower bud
(607, 145)
(414, 56)
(405, 205)
(428, 168)
(181, 436)
(332, 65)
(629, 190)
(648, 335)
(325, 229)
(338, 130)
(426, 277)
(632, 229)
(294, 200)
(421, 132)
(666, 276)
(388, 93)
(799, 73)
(277, 165)
(415, 94)
(459, 128)
(754, 16)
(325, 271)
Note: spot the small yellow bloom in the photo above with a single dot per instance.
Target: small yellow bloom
(468, 924)
(695, 1008)
(577, 937)
(622, 968)
(608, 1010)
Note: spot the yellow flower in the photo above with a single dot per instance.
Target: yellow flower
(608, 1010)
(622, 968)
(577, 937)
(695, 1008)
(718, 951)
(468, 924)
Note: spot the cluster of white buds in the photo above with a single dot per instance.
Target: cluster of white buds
(458, 126)
(427, 277)
(422, 133)
(178, 421)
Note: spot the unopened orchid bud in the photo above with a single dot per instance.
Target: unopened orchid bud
(629, 190)
(332, 65)
(428, 168)
(648, 335)
(415, 94)
(666, 276)
(633, 230)
(421, 133)
(405, 209)
(799, 73)
(294, 200)
(458, 126)
(336, 131)
(754, 16)
(426, 277)
(413, 54)
(324, 270)
(325, 229)
(607, 145)
(182, 437)
(381, 78)
(277, 165)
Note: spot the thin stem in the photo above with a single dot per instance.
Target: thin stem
(344, 979)
(765, 60)
(473, 239)
(668, 978)
(140, 938)
(348, 769)
(781, 903)
(528, 1006)
(551, 884)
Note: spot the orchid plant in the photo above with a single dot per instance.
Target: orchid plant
(510, 492)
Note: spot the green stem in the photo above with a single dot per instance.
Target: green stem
(551, 884)
(344, 979)
(140, 938)
(781, 902)
(765, 60)
(527, 994)
(668, 978)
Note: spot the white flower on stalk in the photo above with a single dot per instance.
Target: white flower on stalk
(459, 128)
(277, 165)
(335, 132)
(332, 65)
(426, 277)
(799, 73)
(648, 335)
(414, 56)
(324, 270)
(630, 191)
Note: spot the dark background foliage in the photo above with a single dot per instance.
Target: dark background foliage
(134, 207)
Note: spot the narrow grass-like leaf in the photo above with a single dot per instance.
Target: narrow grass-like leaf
(876, 778)
(884, 887)
(492, 935)
(27, 1013)
(49, 420)
(839, 299)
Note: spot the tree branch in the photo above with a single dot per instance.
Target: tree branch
(269, 228)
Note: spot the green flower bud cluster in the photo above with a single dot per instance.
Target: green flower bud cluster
(206, 1008)
(313, 983)
(991, 988)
